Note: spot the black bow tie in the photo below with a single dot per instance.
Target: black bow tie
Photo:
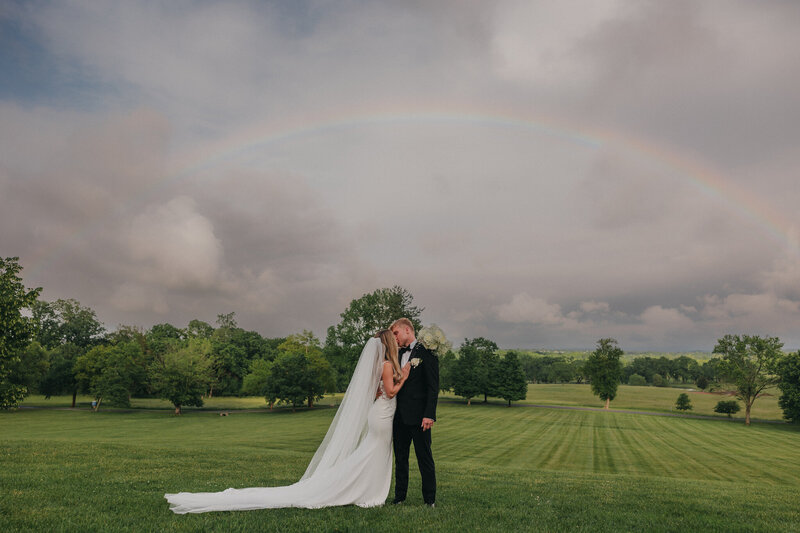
(404, 350)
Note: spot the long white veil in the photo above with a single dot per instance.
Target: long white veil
(338, 474)
(349, 425)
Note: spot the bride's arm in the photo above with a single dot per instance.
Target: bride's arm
(389, 385)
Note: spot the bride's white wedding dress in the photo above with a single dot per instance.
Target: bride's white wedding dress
(353, 465)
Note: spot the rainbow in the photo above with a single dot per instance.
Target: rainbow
(692, 169)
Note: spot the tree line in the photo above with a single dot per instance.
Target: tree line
(60, 347)
(748, 364)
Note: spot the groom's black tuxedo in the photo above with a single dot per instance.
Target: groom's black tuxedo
(415, 401)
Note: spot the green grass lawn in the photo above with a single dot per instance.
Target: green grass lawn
(657, 399)
(210, 404)
(499, 469)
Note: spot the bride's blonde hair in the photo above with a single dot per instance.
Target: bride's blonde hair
(387, 338)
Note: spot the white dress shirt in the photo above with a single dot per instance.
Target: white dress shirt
(407, 355)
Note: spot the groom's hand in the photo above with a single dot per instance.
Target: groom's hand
(427, 423)
(379, 393)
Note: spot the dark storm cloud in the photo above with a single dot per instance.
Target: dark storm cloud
(534, 172)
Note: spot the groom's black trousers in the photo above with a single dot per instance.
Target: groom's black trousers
(403, 436)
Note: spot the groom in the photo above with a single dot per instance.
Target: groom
(415, 413)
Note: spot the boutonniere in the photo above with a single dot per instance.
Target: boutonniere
(415, 361)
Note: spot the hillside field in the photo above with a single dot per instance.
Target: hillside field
(499, 469)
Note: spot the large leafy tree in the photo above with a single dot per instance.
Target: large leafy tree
(68, 330)
(511, 383)
(363, 318)
(198, 328)
(255, 382)
(16, 329)
(295, 378)
(488, 367)
(108, 373)
(603, 368)
(301, 360)
(476, 369)
(30, 368)
(789, 371)
(749, 363)
(60, 375)
(685, 368)
(466, 375)
(183, 373)
(133, 340)
(233, 349)
(162, 338)
(67, 322)
(447, 368)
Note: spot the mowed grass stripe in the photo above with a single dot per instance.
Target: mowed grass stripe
(619, 443)
(517, 437)
(499, 469)
(739, 447)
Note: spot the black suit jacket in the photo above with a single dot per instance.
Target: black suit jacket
(417, 399)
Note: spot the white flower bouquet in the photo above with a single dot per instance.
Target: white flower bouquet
(434, 339)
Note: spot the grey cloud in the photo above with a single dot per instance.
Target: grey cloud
(519, 227)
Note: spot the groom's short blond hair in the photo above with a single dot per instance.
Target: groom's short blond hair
(402, 322)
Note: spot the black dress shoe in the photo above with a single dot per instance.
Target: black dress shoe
(397, 502)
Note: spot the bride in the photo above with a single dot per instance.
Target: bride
(353, 465)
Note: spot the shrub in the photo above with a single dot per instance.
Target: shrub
(636, 380)
(659, 381)
(728, 407)
(683, 403)
(702, 382)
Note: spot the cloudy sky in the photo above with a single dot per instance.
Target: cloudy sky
(540, 173)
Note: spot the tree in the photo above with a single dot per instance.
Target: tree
(604, 369)
(659, 381)
(447, 368)
(749, 362)
(255, 382)
(30, 368)
(560, 372)
(710, 370)
(577, 371)
(133, 341)
(68, 330)
(487, 369)
(683, 403)
(789, 372)
(685, 368)
(728, 407)
(644, 366)
(302, 362)
(182, 374)
(108, 373)
(67, 322)
(60, 377)
(296, 377)
(233, 349)
(636, 380)
(702, 382)
(466, 375)
(162, 338)
(198, 328)
(16, 329)
(511, 382)
(665, 368)
(363, 318)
